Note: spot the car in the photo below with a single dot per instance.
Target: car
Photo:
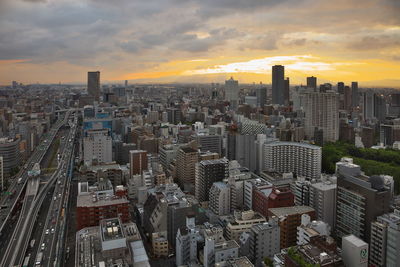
(43, 246)
(47, 232)
(55, 198)
(52, 230)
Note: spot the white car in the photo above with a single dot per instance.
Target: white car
(52, 230)
(47, 232)
(42, 247)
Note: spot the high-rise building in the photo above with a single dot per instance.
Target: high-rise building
(93, 85)
(323, 200)
(97, 203)
(360, 199)
(261, 94)
(312, 82)
(174, 115)
(220, 199)
(210, 143)
(322, 111)
(9, 150)
(232, 92)
(368, 105)
(137, 162)
(299, 158)
(347, 98)
(262, 241)
(340, 88)
(354, 94)
(186, 160)
(380, 110)
(207, 173)
(278, 84)
(286, 93)
(385, 240)
(97, 146)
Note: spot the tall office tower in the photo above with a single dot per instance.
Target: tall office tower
(340, 88)
(354, 94)
(312, 82)
(278, 84)
(262, 241)
(347, 98)
(368, 105)
(380, 110)
(360, 199)
(97, 146)
(93, 85)
(322, 111)
(186, 160)
(286, 93)
(126, 83)
(323, 200)
(300, 158)
(261, 94)
(232, 92)
(137, 162)
(220, 199)
(385, 240)
(207, 173)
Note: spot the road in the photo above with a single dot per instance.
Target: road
(18, 184)
(18, 244)
(53, 233)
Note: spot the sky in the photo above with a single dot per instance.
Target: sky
(51, 41)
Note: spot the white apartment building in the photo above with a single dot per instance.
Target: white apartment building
(97, 146)
(301, 159)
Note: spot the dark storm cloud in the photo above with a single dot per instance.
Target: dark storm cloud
(84, 31)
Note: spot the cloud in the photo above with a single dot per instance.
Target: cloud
(126, 35)
(375, 42)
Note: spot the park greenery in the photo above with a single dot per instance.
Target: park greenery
(372, 161)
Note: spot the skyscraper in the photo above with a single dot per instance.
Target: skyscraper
(312, 82)
(321, 111)
(368, 105)
(232, 92)
(340, 88)
(93, 85)
(261, 94)
(286, 92)
(354, 92)
(347, 98)
(278, 84)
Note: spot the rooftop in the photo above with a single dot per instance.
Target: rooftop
(111, 229)
(91, 200)
(285, 211)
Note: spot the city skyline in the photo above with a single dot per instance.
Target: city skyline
(59, 41)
